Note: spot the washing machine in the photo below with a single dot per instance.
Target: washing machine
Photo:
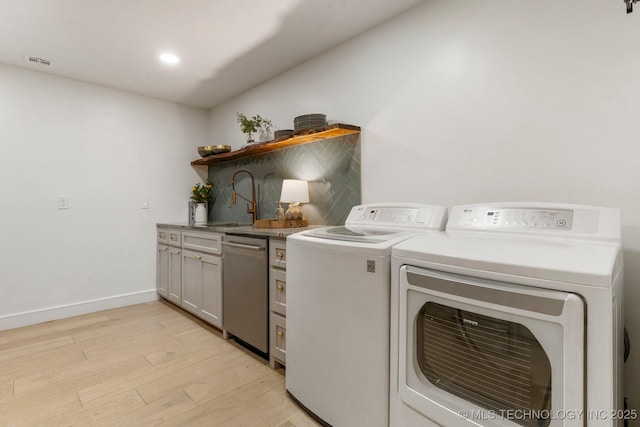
(512, 317)
(338, 285)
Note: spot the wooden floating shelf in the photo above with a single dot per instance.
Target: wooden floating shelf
(331, 131)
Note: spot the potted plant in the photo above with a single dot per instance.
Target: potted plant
(201, 196)
(249, 126)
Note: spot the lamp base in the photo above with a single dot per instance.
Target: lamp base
(293, 212)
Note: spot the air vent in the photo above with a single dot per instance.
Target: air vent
(30, 59)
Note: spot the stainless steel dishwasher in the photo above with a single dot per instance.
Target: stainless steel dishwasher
(246, 290)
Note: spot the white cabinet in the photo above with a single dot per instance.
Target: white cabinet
(278, 351)
(202, 285)
(211, 308)
(191, 281)
(174, 285)
(277, 302)
(189, 272)
(278, 291)
(202, 242)
(169, 236)
(162, 270)
(202, 275)
(168, 270)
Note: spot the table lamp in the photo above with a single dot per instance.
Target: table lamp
(294, 192)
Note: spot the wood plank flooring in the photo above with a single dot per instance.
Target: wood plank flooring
(144, 365)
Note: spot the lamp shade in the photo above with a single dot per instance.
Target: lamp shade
(294, 190)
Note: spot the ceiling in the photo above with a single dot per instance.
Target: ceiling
(225, 46)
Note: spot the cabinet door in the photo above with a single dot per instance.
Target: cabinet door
(191, 281)
(174, 285)
(278, 291)
(202, 286)
(278, 338)
(162, 270)
(278, 253)
(211, 310)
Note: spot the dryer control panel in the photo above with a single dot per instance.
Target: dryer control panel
(560, 220)
(552, 219)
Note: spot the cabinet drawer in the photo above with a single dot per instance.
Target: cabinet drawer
(278, 337)
(174, 238)
(163, 235)
(168, 236)
(278, 253)
(278, 291)
(204, 242)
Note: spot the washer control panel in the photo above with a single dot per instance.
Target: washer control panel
(390, 215)
(529, 218)
(398, 215)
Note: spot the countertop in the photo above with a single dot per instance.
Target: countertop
(247, 229)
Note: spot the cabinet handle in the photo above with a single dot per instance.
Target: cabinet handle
(163, 249)
(243, 246)
(197, 257)
(280, 287)
(279, 254)
(280, 333)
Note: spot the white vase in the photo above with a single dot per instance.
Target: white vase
(201, 214)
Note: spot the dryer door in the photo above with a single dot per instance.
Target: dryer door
(481, 352)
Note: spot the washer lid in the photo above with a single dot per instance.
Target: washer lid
(356, 234)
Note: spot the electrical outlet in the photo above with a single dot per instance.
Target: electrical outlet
(145, 203)
(63, 202)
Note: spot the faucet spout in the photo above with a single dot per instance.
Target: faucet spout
(251, 204)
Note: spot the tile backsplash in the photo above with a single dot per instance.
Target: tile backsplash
(332, 167)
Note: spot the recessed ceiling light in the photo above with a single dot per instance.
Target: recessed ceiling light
(169, 58)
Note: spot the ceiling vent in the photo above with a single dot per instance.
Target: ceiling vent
(34, 60)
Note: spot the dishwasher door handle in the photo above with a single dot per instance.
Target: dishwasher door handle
(242, 246)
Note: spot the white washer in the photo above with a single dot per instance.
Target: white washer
(511, 317)
(338, 284)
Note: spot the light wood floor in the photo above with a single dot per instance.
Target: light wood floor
(143, 365)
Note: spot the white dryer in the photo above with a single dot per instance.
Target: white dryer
(338, 285)
(512, 317)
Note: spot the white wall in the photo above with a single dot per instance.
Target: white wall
(485, 100)
(106, 150)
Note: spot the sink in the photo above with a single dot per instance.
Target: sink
(217, 224)
(226, 224)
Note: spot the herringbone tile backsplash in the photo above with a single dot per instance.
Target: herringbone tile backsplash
(332, 167)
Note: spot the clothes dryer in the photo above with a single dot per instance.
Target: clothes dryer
(512, 317)
(338, 284)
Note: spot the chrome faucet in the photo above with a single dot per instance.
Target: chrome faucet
(252, 207)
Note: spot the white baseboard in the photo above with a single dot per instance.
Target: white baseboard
(26, 318)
